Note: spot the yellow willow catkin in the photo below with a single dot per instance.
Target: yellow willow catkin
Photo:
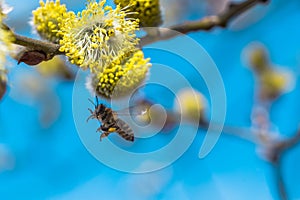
(48, 18)
(122, 77)
(98, 35)
(147, 11)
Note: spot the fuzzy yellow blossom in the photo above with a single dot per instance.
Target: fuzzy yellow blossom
(98, 35)
(48, 19)
(191, 105)
(122, 76)
(147, 11)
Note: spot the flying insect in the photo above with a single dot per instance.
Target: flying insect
(110, 122)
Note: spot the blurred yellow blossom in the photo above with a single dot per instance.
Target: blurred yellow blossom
(191, 105)
(273, 83)
(258, 59)
(55, 67)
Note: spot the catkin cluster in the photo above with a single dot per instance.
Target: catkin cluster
(98, 38)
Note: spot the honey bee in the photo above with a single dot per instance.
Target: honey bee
(110, 122)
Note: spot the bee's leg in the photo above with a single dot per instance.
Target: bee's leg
(99, 129)
(103, 128)
(103, 135)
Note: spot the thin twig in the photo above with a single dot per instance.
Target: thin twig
(50, 49)
(207, 23)
(243, 133)
(275, 153)
(282, 191)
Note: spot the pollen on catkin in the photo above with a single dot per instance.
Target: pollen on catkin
(121, 78)
(48, 19)
(147, 11)
(98, 35)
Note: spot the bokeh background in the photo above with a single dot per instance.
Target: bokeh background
(42, 157)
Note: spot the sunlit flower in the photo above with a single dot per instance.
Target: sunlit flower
(147, 11)
(48, 18)
(98, 35)
(121, 77)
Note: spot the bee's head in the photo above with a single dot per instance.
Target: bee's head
(100, 108)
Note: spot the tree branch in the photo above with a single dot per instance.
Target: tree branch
(275, 152)
(282, 191)
(48, 48)
(207, 23)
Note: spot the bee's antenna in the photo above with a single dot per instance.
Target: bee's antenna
(92, 102)
(97, 101)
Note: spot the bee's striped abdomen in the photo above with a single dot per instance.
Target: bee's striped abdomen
(124, 130)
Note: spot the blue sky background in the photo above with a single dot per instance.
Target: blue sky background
(50, 162)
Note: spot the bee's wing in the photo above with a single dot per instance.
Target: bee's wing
(125, 131)
(130, 112)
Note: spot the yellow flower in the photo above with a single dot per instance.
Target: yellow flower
(98, 35)
(147, 11)
(48, 19)
(124, 75)
(191, 105)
